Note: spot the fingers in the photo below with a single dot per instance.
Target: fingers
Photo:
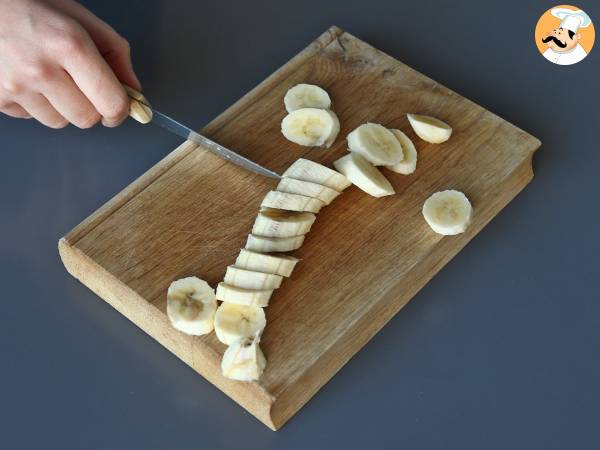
(40, 109)
(68, 100)
(16, 111)
(93, 76)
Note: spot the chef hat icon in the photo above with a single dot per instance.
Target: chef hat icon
(572, 20)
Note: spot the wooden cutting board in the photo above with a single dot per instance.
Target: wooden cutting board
(364, 259)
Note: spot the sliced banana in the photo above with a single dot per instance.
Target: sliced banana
(292, 202)
(191, 306)
(243, 360)
(429, 128)
(281, 223)
(376, 144)
(448, 212)
(241, 296)
(364, 175)
(409, 163)
(250, 279)
(270, 244)
(234, 322)
(307, 170)
(311, 127)
(306, 96)
(307, 188)
(277, 264)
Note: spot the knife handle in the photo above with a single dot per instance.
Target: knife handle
(139, 106)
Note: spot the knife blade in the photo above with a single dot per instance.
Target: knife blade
(141, 110)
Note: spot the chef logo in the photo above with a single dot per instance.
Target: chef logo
(564, 35)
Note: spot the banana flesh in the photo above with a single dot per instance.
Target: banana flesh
(448, 212)
(191, 306)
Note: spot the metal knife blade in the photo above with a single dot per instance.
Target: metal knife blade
(181, 130)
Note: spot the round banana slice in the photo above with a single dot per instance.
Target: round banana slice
(364, 175)
(306, 96)
(409, 163)
(311, 127)
(191, 305)
(243, 296)
(307, 170)
(261, 262)
(250, 279)
(308, 189)
(292, 202)
(448, 212)
(429, 128)
(243, 360)
(280, 223)
(234, 322)
(270, 244)
(376, 144)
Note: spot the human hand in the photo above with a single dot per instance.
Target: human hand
(61, 64)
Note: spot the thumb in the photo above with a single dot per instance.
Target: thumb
(118, 57)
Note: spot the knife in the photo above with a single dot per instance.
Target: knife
(141, 110)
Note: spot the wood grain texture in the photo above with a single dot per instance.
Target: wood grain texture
(364, 258)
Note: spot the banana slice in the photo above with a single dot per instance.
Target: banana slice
(271, 244)
(243, 360)
(277, 264)
(307, 170)
(234, 322)
(307, 188)
(448, 212)
(241, 296)
(311, 127)
(364, 175)
(191, 306)
(250, 279)
(281, 223)
(376, 144)
(409, 163)
(292, 202)
(306, 96)
(429, 128)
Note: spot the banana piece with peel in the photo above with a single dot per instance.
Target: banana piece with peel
(308, 189)
(409, 163)
(235, 322)
(307, 170)
(448, 212)
(376, 144)
(311, 127)
(282, 265)
(281, 223)
(191, 305)
(243, 296)
(292, 202)
(306, 96)
(244, 360)
(364, 175)
(429, 128)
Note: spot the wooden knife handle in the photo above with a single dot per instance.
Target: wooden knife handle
(139, 106)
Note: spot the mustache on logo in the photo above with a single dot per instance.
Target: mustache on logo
(555, 40)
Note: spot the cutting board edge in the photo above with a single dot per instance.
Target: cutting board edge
(189, 349)
(287, 403)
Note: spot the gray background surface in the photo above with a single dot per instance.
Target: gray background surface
(500, 351)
